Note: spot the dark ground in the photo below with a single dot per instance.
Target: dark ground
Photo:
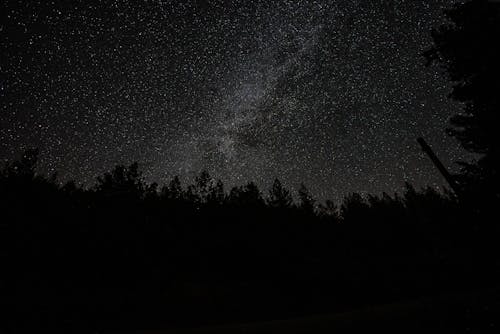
(467, 312)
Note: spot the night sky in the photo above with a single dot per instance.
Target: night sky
(329, 93)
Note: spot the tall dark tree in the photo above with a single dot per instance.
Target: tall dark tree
(173, 190)
(279, 196)
(246, 196)
(467, 49)
(122, 181)
(307, 202)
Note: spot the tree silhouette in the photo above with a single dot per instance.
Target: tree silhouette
(307, 202)
(279, 196)
(246, 196)
(203, 185)
(216, 194)
(174, 190)
(121, 254)
(467, 49)
(122, 182)
(329, 210)
(354, 208)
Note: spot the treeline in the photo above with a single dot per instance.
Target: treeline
(125, 253)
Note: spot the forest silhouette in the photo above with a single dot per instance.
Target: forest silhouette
(124, 253)
(127, 254)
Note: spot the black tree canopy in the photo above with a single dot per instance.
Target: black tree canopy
(467, 49)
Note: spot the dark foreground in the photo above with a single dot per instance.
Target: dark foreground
(469, 312)
(125, 255)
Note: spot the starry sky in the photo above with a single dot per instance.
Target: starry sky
(329, 93)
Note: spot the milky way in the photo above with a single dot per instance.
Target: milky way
(329, 93)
